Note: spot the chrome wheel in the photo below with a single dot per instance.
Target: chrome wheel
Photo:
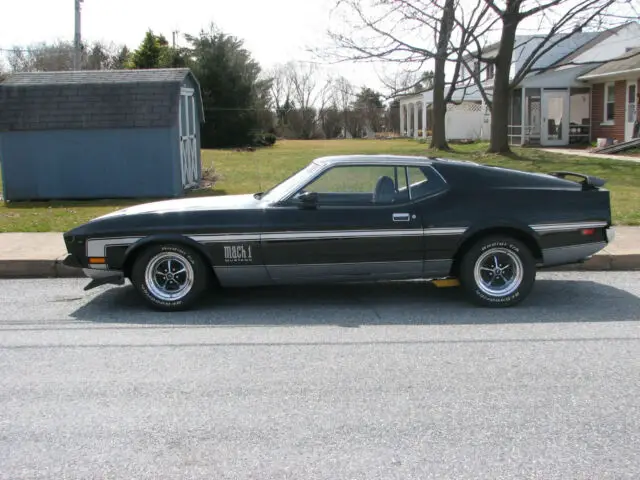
(498, 272)
(169, 276)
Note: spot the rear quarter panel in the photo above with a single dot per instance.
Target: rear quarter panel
(481, 198)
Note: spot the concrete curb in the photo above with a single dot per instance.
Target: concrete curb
(38, 269)
(55, 269)
(605, 263)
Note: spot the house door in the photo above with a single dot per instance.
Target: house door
(555, 118)
(188, 144)
(630, 113)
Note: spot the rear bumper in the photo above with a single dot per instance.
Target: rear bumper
(571, 253)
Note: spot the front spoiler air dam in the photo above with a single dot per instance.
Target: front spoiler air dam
(102, 277)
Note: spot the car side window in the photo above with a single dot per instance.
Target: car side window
(360, 185)
(424, 181)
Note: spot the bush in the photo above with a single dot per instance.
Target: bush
(264, 139)
(270, 138)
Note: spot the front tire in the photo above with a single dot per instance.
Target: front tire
(170, 277)
(498, 271)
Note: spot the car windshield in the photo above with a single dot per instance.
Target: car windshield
(276, 192)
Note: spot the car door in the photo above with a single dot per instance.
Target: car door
(356, 223)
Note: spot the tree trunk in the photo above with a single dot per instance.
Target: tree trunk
(501, 86)
(438, 135)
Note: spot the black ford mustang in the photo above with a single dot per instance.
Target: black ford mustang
(354, 218)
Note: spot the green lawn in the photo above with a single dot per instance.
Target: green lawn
(244, 172)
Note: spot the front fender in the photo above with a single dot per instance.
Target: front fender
(138, 246)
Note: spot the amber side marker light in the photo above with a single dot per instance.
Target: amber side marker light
(97, 260)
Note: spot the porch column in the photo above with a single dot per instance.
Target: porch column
(402, 117)
(523, 116)
(408, 121)
(424, 120)
(415, 120)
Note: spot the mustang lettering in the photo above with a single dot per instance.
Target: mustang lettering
(237, 253)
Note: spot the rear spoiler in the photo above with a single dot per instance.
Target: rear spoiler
(588, 182)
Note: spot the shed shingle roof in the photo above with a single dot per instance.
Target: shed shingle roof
(84, 77)
(91, 99)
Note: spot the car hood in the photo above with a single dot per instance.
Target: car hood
(223, 202)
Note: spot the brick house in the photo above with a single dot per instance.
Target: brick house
(615, 87)
(560, 101)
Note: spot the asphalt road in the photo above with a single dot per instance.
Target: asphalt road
(397, 381)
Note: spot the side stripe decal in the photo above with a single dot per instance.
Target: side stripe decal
(231, 237)
(566, 227)
(97, 247)
(445, 231)
(341, 234)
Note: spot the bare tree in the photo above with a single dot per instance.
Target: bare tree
(409, 34)
(307, 89)
(344, 94)
(561, 18)
(59, 57)
(280, 91)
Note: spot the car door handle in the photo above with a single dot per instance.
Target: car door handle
(401, 217)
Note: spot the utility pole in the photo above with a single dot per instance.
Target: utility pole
(77, 38)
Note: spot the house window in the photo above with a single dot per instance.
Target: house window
(489, 71)
(609, 101)
(476, 68)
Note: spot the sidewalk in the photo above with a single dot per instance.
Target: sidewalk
(39, 255)
(584, 153)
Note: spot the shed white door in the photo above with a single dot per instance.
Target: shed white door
(188, 143)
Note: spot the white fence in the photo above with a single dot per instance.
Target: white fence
(467, 121)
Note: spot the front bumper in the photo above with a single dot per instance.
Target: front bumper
(98, 276)
(71, 261)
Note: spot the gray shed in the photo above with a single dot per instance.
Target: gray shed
(100, 134)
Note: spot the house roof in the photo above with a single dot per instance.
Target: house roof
(626, 63)
(560, 54)
(93, 99)
(85, 77)
(556, 54)
(590, 44)
(463, 93)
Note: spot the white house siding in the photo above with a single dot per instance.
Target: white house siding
(613, 46)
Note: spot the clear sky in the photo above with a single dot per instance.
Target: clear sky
(275, 31)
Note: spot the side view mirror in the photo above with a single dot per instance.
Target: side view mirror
(308, 199)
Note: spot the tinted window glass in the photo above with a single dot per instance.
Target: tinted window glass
(423, 181)
(360, 185)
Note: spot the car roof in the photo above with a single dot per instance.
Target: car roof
(384, 159)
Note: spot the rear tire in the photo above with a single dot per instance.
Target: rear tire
(170, 277)
(498, 271)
